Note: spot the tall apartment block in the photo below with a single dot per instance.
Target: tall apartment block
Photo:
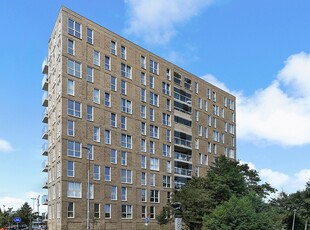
(139, 124)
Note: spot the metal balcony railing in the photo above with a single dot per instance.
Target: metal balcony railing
(182, 171)
(183, 142)
(44, 149)
(182, 157)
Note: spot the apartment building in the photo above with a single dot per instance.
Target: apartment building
(140, 125)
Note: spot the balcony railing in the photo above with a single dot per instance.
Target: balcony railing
(182, 98)
(45, 115)
(183, 142)
(178, 184)
(45, 99)
(45, 132)
(45, 66)
(44, 149)
(45, 82)
(44, 200)
(44, 183)
(45, 166)
(183, 172)
(182, 157)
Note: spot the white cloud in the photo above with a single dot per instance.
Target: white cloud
(155, 20)
(279, 113)
(5, 146)
(276, 179)
(11, 202)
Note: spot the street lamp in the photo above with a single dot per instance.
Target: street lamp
(293, 226)
(88, 188)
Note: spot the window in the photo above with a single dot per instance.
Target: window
(154, 163)
(177, 78)
(154, 131)
(199, 130)
(152, 147)
(154, 99)
(151, 82)
(126, 105)
(123, 87)
(126, 176)
(214, 148)
(70, 48)
(142, 78)
(90, 150)
(209, 94)
(74, 68)
(196, 143)
(124, 122)
(107, 137)
(70, 128)
(154, 67)
(152, 116)
(70, 210)
(123, 52)
(196, 115)
(216, 136)
(142, 62)
(107, 99)
(107, 173)
(126, 141)
(113, 156)
(200, 158)
(143, 94)
(206, 159)
(205, 105)
(70, 87)
(123, 158)
(70, 169)
(222, 113)
(166, 182)
(214, 96)
(89, 115)
(166, 119)
(143, 111)
(199, 103)
(209, 120)
(209, 147)
(168, 74)
(143, 162)
(107, 210)
(74, 108)
(196, 87)
(152, 179)
(168, 167)
(90, 34)
(205, 132)
(74, 149)
(113, 193)
(96, 135)
(113, 120)
(143, 195)
(143, 145)
(96, 58)
(107, 63)
(143, 178)
(126, 211)
(124, 194)
(96, 172)
(168, 105)
(74, 189)
(96, 211)
(231, 129)
(74, 28)
(125, 71)
(113, 84)
(168, 135)
(90, 74)
(152, 212)
(166, 88)
(113, 47)
(154, 196)
(143, 128)
(96, 96)
(166, 150)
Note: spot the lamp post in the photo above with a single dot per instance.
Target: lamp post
(293, 226)
(88, 188)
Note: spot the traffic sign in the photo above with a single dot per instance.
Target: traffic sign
(147, 220)
(17, 219)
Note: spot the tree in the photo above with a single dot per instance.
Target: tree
(248, 212)
(164, 216)
(24, 213)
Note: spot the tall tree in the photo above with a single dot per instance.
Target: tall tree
(24, 213)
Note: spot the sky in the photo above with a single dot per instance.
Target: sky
(258, 50)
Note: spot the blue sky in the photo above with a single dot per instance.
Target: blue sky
(258, 50)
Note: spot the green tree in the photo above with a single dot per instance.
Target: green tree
(248, 212)
(164, 216)
(24, 213)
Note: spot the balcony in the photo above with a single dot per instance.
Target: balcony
(45, 99)
(45, 132)
(45, 166)
(45, 82)
(44, 149)
(44, 184)
(178, 185)
(183, 143)
(44, 200)
(45, 116)
(45, 66)
(182, 172)
(182, 157)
